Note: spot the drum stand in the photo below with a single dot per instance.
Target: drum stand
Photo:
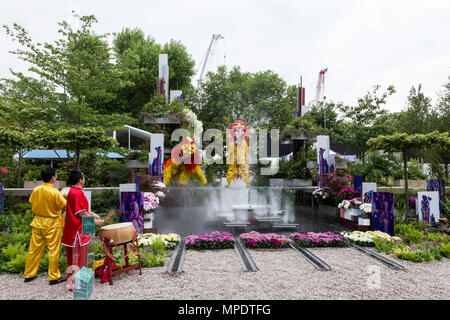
(108, 245)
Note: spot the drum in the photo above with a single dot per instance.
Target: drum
(119, 232)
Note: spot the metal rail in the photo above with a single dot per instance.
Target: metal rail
(177, 260)
(313, 259)
(390, 263)
(244, 257)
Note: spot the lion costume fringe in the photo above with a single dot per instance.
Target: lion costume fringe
(181, 167)
(237, 143)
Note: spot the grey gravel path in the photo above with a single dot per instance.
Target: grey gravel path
(283, 274)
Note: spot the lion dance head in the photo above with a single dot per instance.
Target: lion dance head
(238, 135)
(184, 164)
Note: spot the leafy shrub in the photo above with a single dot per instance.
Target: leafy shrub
(414, 172)
(104, 202)
(295, 168)
(377, 168)
(17, 264)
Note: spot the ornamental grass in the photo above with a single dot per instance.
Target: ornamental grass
(313, 239)
(213, 240)
(255, 239)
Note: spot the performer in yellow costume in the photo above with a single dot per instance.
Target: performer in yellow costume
(46, 204)
(184, 164)
(237, 143)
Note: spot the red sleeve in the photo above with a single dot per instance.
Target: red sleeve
(78, 202)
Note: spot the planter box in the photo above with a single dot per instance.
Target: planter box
(289, 183)
(33, 184)
(136, 164)
(411, 183)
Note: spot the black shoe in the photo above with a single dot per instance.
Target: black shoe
(52, 282)
(29, 279)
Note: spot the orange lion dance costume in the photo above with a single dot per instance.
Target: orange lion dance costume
(237, 142)
(182, 167)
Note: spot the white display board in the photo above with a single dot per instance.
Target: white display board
(88, 195)
(163, 72)
(324, 143)
(127, 187)
(175, 94)
(332, 162)
(427, 206)
(367, 187)
(156, 140)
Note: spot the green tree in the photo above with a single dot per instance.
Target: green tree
(324, 114)
(76, 140)
(79, 68)
(364, 120)
(417, 113)
(24, 106)
(137, 58)
(261, 99)
(369, 107)
(402, 142)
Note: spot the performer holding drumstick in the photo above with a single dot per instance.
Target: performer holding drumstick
(76, 242)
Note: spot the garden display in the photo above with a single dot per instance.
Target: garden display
(213, 240)
(170, 240)
(323, 193)
(347, 193)
(419, 242)
(313, 239)
(364, 239)
(255, 240)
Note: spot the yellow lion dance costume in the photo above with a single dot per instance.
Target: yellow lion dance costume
(237, 142)
(182, 167)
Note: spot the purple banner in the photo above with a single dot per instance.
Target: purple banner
(132, 209)
(383, 212)
(357, 184)
(439, 186)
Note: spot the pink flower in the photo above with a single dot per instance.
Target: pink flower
(4, 171)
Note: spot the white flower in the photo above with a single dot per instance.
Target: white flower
(160, 194)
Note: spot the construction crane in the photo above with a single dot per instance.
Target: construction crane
(209, 53)
(320, 85)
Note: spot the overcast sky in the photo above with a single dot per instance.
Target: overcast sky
(361, 42)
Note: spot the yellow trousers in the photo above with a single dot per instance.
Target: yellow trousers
(39, 238)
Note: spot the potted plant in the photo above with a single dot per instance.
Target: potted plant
(351, 209)
(366, 213)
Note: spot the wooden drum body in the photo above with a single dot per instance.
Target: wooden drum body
(119, 232)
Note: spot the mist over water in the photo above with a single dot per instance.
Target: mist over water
(205, 209)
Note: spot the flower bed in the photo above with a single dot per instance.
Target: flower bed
(313, 239)
(365, 239)
(170, 240)
(213, 240)
(255, 239)
(420, 243)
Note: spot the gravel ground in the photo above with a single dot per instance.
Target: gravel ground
(283, 274)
